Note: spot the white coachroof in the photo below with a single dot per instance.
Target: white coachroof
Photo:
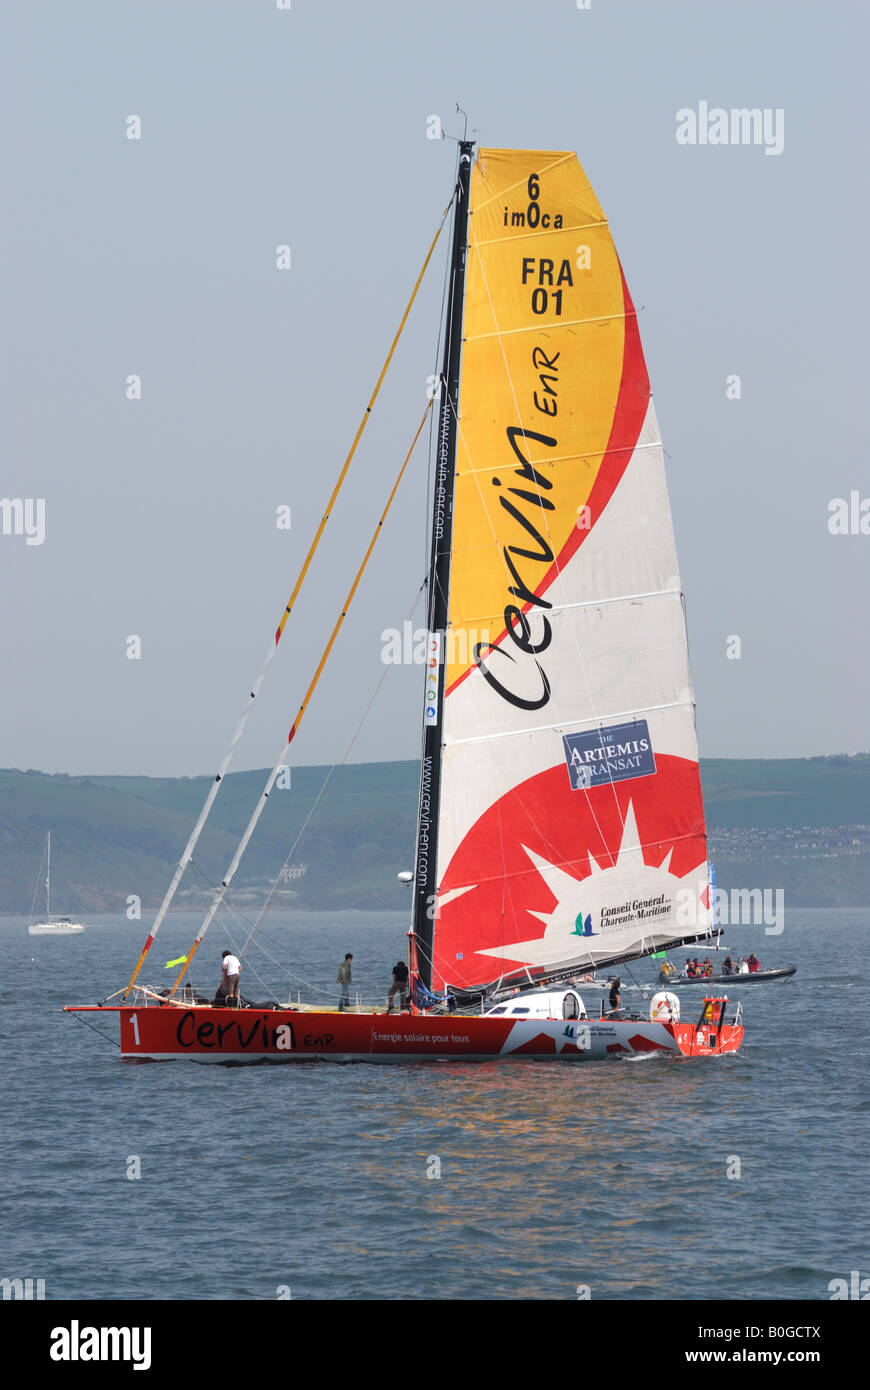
(561, 1003)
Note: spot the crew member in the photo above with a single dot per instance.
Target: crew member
(399, 986)
(615, 997)
(753, 962)
(230, 970)
(727, 965)
(343, 978)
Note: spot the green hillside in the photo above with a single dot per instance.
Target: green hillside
(114, 836)
(787, 791)
(801, 824)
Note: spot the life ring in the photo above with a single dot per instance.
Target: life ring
(665, 1008)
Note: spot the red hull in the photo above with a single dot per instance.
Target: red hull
(206, 1034)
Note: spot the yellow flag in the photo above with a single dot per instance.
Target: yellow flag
(180, 961)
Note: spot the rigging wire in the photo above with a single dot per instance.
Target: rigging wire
(40, 881)
(321, 797)
(436, 599)
(264, 795)
(436, 377)
(253, 929)
(430, 578)
(215, 786)
(94, 1029)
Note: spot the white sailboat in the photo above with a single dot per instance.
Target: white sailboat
(52, 926)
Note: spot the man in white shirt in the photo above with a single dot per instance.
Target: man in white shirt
(230, 969)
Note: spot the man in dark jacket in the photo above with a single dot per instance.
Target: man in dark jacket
(399, 986)
(344, 978)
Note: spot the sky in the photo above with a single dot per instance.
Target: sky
(307, 127)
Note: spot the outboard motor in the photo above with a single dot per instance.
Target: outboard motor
(664, 1007)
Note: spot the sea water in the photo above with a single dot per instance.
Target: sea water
(737, 1177)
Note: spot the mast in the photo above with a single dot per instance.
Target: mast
(48, 878)
(425, 876)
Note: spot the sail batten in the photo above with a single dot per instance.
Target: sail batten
(531, 235)
(587, 603)
(573, 724)
(569, 825)
(532, 328)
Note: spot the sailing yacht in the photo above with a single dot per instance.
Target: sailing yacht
(560, 825)
(52, 926)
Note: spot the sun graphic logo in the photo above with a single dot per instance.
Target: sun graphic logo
(632, 894)
(625, 860)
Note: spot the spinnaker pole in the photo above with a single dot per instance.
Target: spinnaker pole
(425, 876)
(215, 786)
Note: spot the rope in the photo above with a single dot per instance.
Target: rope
(279, 878)
(324, 787)
(215, 786)
(264, 795)
(94, 1029)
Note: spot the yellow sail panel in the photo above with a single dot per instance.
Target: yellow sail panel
(543, 358)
